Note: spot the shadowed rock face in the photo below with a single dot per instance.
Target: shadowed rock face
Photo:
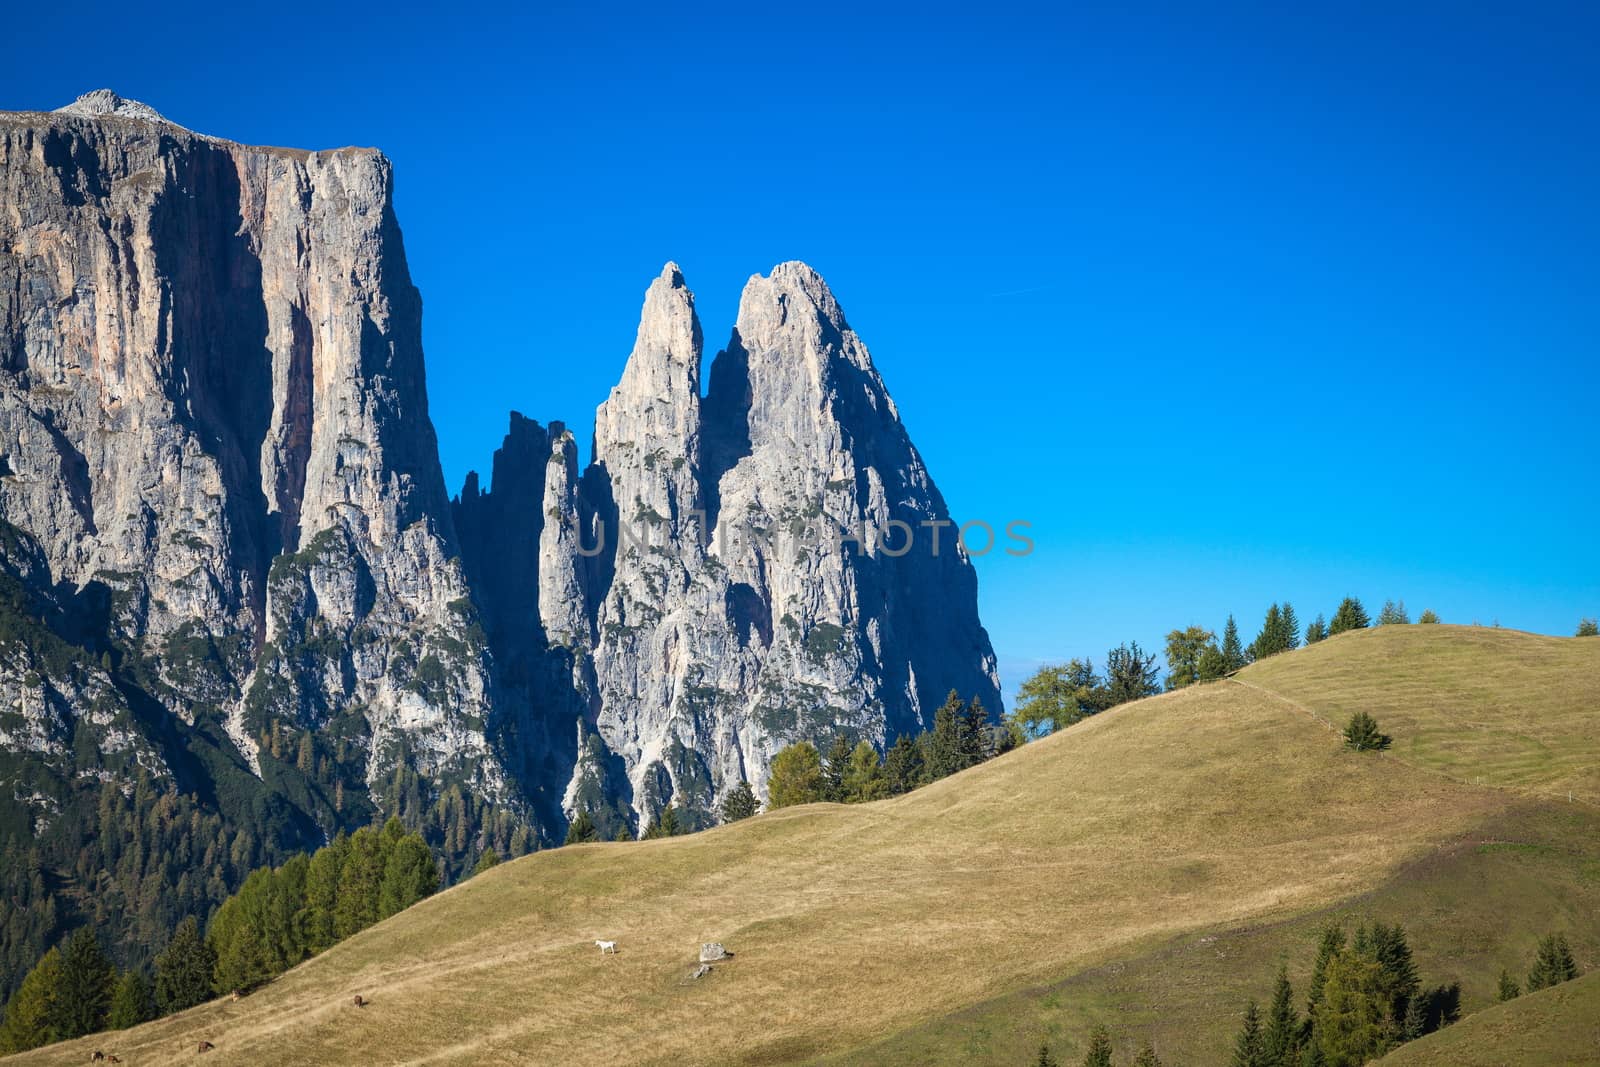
(731, 623)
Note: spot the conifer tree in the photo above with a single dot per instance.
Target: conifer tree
(322, 893)
(30, 1019)
(902, 767)
(1045, 1059)
(1553, 964)
(1428, 617)
(132, 1003)
(1363, 735)
(1281, 1043)
(1212, 664)
(1147, 1056)
(1316, 630)
(974, 733)
(863, 777)
(796, 776)
(1350, 616)
(1415, 1022)
(356, 906)
(1393, 614)
(1232, 650)
(409, 875)
(623, 833)
(1249, 1048)
(1588, 628)
(670, 823)
(581, 830)
(1349, 1021)
(83, 996)
(740, 803)
(1400, 979)
(185, 969)
(835, 765)
(1330, 944)
(1509, 989)
(1291, 627)
(1270, 641)
(1099, 1054)
(1131, 674)
(944, 757)
(489, 858)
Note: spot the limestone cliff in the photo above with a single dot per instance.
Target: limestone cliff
(769, 564)
(214, 423)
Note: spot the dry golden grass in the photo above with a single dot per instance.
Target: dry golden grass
(1207, 807)
(1495, 707)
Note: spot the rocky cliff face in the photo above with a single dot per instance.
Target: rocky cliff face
(230, 575)
(216, 456)
(767, 565)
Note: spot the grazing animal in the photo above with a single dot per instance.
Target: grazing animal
(113, 1059)
(97, 1056)
(237, 993)
(205, 1046)
(606, 946)
(358, 1000)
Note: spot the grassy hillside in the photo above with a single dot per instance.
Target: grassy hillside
(1498, 707)
(1555, 1027)
(1110, 872)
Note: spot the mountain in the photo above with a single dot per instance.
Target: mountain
(694, 589)
(239, 612)
(1147, 868)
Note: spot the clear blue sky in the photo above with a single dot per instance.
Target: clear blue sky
(1234, 303)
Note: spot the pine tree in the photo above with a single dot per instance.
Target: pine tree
(132, 1003)
(1291, 627)
(1330, 945)
(1212, 665)
(623, 834)
(834, 768)
(944, 756)
(1415, 1021)
(1270, 641)
(670, 823)
(409, 875)
(1588, 628)
(902, 767)
(1317, 630)
(1232, 650)
(863, 777)
(322, 893)
(1349, 1021)
(1362, 734)
(356, 906)
(1147, 1056)
(1553, 964)
(1350, 616)
(974, 733)
(1393, 954)
(488, 858)
(1393, 614)
(1249, 1048)
(83, 996)
(185, 969)
(1045, 1059)
(30, 1019)
(740, 803)
(1099, 1054)
(581, 830)
(796, 776)
(1428, 618)
(1509, 989)
(1281, 1043)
